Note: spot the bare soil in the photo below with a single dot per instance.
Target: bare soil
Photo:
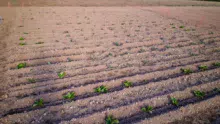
(97, 46)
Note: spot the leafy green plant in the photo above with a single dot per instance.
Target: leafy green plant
(21, 65)
(31, 80)
(21, 38)
(111, 120)
(38, 103)
(203, 67)
(39, 42)
(62, 74)
(186, 71)
(173, 27)
(22, 44)
(127, 83)
(182, 26)
(147, 109)
(117, 44)
(217, 64)
(25, 33)
(199, 94)
(101, 89)
(174, 101)
(69, 95)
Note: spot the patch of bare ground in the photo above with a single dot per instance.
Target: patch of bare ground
(76, 49)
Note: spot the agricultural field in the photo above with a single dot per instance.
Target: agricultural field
(96, 65)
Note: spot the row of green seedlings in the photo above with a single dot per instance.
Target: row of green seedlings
(24, 43)
(149, 109)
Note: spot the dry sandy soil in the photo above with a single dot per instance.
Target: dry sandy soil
(106, 46)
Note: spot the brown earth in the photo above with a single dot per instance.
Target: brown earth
(105, 46)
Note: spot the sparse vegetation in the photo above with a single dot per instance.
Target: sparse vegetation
(69, 95)
(127, 83)
(182, 26)
(101, 89)
(186, 71)
(38, 103)
(62, 75)
(203, 67)
(21, 65)
(174, 101)
(199, 94)
(147, 109)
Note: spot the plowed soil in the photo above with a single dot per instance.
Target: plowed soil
(97, 46)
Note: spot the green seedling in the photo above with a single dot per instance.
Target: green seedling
(25, 33)
(31, 80)
(22, 43)
(21, 65)
(173, 27)
(186, 71)
(111, 120)
(39, 42)
(199, 94)
(127, 83)
(69, 60)
(147, 109)
(21, 38)
(62, 74)
(49, 63)
(117, 44)
(217, 64)
(38, 103)
(203, 67)
(69, 95)
(181, 26)
(174, 101)
(101, 89)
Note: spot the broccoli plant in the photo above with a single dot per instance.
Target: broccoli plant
(111, 120)
(186, 71)
(69, 95)
(38, 103)
(31, 80)
(21, 65)
(62, 74)
(174, 101)
(199, 94)
(101, 89)
(217, 64)
(22, 44)
(127, 83)
(21, 38)
(147, 109)
(203, 67)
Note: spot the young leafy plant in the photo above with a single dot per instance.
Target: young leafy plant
(111, 120)
(186, 71)
(101, 89)
(117, 44)
(25, 33)
(147, 109)
(182, 26)
(38, 103)
(217, 64)
(31, 80)
(22, 43)
(62, 74)
(127, 83)
(203, 67)
(199, 94)
(39, 42)
(69, 95)
(174, 101)
(21, 65)
(21, 38)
